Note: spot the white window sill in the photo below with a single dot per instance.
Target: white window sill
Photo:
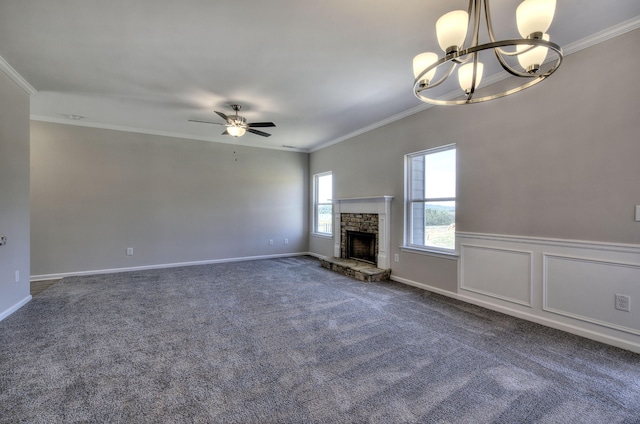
(322, 235)
(451, 255)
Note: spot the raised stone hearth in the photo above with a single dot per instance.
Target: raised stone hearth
(362, 271)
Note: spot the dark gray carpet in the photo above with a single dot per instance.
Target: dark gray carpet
(285, 340)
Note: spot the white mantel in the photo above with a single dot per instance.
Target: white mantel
(380, 205)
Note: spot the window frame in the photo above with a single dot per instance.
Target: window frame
(316, 204)
(409, 200)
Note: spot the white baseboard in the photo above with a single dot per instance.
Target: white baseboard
(15, 307)
(603, 338)
(424, 286)
(46, 277)
(58, 276)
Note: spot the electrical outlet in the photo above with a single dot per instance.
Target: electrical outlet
(129, 251)
(396, 257)
(623, 302)
(270, 242)
(3, 240)
(286, 241)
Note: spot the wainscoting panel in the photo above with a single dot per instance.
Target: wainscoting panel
(585, 289)
(566, 284)
(501, 273)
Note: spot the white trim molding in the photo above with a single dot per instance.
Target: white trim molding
(566, 284)
(58, 276)
(602, 36)
(511, 282)
(16, 77)
(149, 131)
(579, 244)
(632, 345)
(14, 308)
(570, 285)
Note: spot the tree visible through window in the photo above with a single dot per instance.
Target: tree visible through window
(431, 198)
(323, 203)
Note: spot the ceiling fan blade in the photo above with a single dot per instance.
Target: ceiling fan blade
(222, 115)
(261, 124)
(205, 122)
(225, 132)
(264, 134)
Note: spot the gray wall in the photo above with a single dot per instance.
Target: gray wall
(14, 193)
(559, 160)
(95, 192)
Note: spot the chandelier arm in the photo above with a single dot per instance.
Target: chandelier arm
(492, 38)
(487, 15)
(503, 52)
(472, 90)
(499, 51)
(535, 42)
(440, 81)
(476, 22)
(532, 43)
(508, 68)
(459, 61)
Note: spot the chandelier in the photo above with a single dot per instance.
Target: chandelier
(524, 58)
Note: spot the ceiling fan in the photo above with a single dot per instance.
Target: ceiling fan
(237, 126)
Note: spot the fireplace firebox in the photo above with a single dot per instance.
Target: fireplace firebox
(361, 246)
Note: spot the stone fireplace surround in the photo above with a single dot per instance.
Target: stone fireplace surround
(353, 225)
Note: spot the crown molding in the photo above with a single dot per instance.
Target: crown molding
(16, 77)
(602, 36)
(99, 125)
(597, 38)
(373, 126)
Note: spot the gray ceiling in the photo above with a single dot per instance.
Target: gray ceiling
(322, 71)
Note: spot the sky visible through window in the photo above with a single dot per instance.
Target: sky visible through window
(325, 184)
(440, 175)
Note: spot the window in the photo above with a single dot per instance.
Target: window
(430, 199)
(322, 203)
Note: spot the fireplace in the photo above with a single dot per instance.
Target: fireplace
(361, 231)
(364, 215)
(361, 246)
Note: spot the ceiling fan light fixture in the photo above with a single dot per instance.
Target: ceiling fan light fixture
(236, 131)
(237, 126)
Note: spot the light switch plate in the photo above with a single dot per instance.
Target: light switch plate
(638, 213)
